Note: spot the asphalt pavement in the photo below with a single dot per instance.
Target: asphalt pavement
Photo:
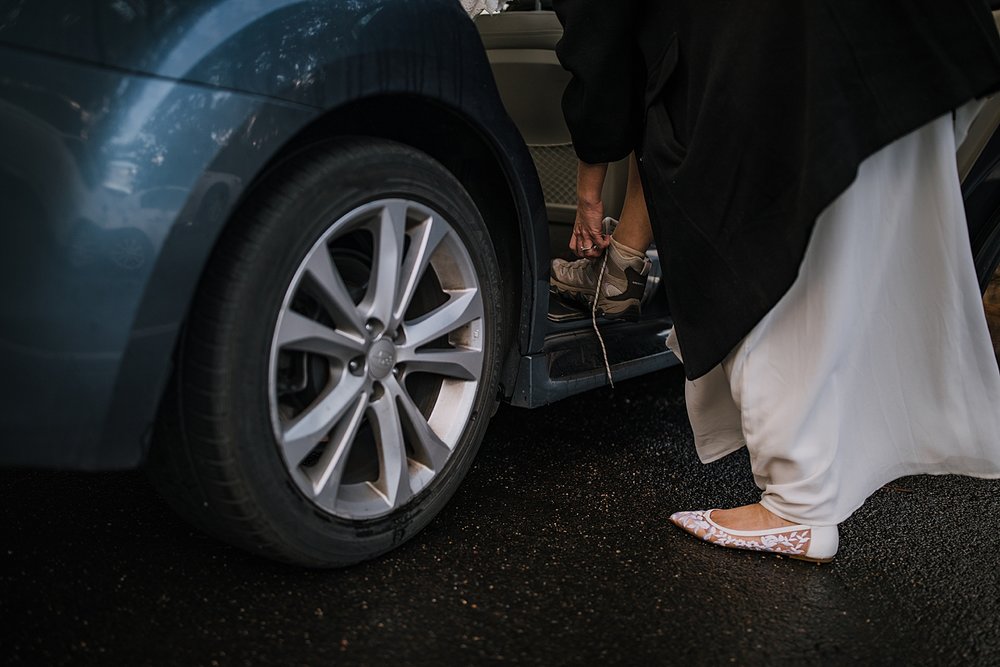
(555, 551)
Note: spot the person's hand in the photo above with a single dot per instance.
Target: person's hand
(588, 239)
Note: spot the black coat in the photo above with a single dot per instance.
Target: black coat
(750, 117)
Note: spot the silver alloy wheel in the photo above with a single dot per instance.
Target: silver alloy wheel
(376, 358)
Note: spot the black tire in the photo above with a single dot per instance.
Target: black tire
(215, 456)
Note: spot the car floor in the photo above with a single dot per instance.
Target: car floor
(555, 550)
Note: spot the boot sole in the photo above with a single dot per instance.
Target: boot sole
(630, 313)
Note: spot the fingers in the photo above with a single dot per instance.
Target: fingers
(586, 243)
(584, 249)
(579, 243)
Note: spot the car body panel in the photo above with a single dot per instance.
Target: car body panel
(122, 120)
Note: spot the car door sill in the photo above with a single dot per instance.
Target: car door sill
(572, 362)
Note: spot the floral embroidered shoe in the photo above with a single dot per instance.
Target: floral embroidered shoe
(817, 544)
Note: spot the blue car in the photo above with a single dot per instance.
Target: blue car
(290, 255)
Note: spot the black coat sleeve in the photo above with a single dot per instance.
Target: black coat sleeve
(603, 101)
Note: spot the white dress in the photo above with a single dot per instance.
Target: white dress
(878, 362)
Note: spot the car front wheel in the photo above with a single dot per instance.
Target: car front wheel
(341, 359)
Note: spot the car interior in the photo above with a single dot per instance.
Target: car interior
(520, 43)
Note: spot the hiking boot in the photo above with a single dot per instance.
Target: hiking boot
(621, 290)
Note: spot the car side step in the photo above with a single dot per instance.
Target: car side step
(571, 363)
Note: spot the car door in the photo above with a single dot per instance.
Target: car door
(520, 44)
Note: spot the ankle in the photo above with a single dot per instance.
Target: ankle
(627, 251)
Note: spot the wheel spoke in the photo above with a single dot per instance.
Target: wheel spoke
(326, 483)
(435, 451)
(463, 307)
(424, 240)
(308, 429)
(385, 283)
(297, 332)
(390, 235)
(458, 363)
(394, 478)
(334, 294)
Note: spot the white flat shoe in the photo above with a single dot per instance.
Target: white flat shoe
(817, 544)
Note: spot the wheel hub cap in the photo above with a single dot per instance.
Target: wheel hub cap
(381, 359)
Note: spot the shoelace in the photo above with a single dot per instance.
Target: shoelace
(593, 318)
